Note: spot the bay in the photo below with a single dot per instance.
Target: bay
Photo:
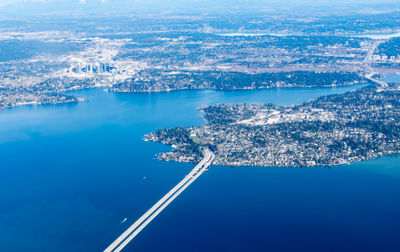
(72, 173)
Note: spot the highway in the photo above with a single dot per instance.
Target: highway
(380, 83)
(368, 60)
(143, 221)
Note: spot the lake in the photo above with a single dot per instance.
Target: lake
(71, 174)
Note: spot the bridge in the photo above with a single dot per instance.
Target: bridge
(380, 83)
(368, 60)
(146, 218)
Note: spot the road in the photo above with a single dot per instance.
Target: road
(368, 60)
(143, 221)
(382, 84)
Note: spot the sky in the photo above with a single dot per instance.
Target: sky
(42, 7)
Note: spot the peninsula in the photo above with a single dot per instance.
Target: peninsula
(327, 131)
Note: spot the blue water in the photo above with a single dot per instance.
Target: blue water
(71, 173)
(392, 78)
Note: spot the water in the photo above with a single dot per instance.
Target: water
(72, 173)
(370, 36)
(379, 36)
(395, 78)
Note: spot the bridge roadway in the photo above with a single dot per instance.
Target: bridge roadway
(143, 221)
(368, 60)
(380, 83)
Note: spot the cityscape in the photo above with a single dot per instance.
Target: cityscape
(177, 125)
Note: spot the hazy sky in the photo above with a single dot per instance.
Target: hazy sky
(25, 7)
